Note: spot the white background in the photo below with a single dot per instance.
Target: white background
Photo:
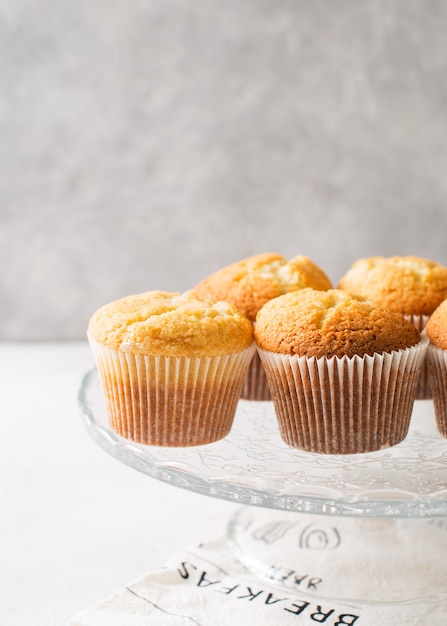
(146, 143)
(76, 525)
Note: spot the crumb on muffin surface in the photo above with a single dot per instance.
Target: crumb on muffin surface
(330, 323)
(171, 324)
(249, 283)
(404, 284)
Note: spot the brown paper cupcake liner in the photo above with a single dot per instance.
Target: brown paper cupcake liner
(256, 385)
(424, 386)
(344, 405)
(171, 401)
(437, 365)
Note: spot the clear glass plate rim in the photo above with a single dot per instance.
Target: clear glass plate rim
(141, 458)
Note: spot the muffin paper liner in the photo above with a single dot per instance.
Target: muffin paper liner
(344, 405)
(424, 387)
(437, 365)
(256, 385)
(171, 401)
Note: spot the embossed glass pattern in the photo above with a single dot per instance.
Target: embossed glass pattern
(252, 465)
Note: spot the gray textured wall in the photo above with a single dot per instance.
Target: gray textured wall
(145, 143)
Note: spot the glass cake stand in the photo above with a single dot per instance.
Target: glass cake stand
(372, 515)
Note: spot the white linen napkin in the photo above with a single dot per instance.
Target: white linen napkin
(306, 569)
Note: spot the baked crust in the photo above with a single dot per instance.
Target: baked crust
(171, 324)
(330, 323)
(408, 285)
(250, 283)
(436, 328)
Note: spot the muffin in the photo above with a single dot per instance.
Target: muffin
(342, 371)
(171, 366)
(409, 285)
(250, 283)
(436, 331)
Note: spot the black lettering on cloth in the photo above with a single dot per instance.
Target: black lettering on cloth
(298, 608)
(319, 616)
(251, 595)
(298, 579)
(287, 575)
(216, 566)
(204, 582)
(352, 619)
(277, 573)
(183, 569)
(272, 600)
(226, 590)
(313, 582)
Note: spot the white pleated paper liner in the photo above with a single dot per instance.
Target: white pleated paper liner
(424, 387)
(437, 365)
(171, 401)
(344, 405)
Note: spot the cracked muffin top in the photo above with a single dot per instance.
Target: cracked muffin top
(408, 285)
(171, 324)
(250, 283)
(330, 323)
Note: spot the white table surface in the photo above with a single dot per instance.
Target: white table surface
(75, 524)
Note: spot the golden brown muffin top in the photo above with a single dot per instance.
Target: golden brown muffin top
(171, 324)
(408, 285)
(250, 283)
(436, 328)
(330, 323)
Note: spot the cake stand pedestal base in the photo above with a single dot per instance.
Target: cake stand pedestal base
(371, 560)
